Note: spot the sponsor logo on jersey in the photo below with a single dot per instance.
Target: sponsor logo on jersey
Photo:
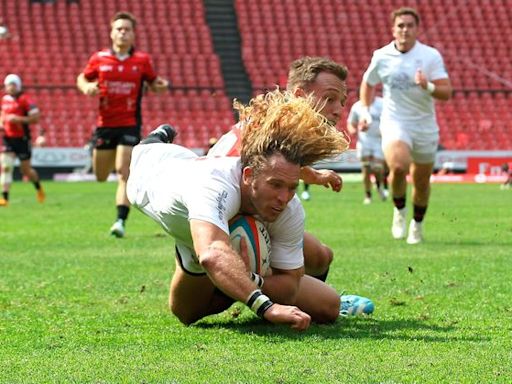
(106, 68)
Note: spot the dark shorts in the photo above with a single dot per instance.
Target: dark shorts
(21, 146)
(110, 138)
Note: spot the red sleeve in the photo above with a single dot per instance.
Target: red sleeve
(149, 70)
(27, 103)
(91, 69)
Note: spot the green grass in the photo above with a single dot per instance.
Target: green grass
(77, 306)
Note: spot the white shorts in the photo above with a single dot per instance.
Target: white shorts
(423, 138)
(369, 147)
(188, 260)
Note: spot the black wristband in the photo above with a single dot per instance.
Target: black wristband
(257, 279)
(264, 307)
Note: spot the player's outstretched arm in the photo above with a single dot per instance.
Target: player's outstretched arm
(325, 177)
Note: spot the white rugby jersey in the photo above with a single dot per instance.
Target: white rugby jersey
(172, 185)
(404, 100)
(375, 111)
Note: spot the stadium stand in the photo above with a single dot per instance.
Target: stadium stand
(274, 32)
(50, 43)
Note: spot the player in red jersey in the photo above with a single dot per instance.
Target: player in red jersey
(18, 111)
(118, 75)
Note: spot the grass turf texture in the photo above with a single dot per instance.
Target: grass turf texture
(78, 306)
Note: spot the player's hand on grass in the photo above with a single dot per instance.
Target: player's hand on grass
(290, 315)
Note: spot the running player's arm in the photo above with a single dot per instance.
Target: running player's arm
(89, 88)
(159, 85)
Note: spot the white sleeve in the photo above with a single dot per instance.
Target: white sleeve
(214, 200)
(436, 68)
(353, 116)
(224, 145)
(287, 237)
(371, 75)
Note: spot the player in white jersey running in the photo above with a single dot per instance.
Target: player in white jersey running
(369, 147)
(194, 198)
(413, 75)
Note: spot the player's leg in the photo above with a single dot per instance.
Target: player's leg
(398, 157)
(305, 195)
(367, 182)
(164, 133)
(420, 175)
(6, 172)
(122, 167)
(318, 300)
(30, 173)
(103, 163)
(317, 257)
(193, 297)
(378, 172)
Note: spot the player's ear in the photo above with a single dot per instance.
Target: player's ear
(247, 175)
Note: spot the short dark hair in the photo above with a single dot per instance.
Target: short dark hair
(304, 71)
(405, 11)
(124, 16)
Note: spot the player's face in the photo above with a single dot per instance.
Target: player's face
(122, 34)
(271, 189)
(11, 89)
(331, 92)
(405, 31)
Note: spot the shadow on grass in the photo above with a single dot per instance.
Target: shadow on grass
(352, 328)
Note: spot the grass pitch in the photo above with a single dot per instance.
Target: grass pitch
(77, 306)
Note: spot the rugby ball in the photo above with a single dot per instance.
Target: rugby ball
(257, 240)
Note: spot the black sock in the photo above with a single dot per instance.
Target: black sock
(306, 187)
(399, 202)
(323, 276)
(122, 212)
(419, 213)
(5, 195)
(37, 184)
(368, 194)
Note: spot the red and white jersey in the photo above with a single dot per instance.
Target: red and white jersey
(19, 105)
(121, 85)
(229, 144)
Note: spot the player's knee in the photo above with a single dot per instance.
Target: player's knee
(328, 313)
(122, 174)
(400, 170)
(326, 256)
(185, 317)
(7, 170)
(319, 260)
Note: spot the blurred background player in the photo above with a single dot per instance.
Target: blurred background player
(324, 80)
(118, 75)
(507, 171)
(369, 147)
(18, 112)
(4, 31)
(413, 75)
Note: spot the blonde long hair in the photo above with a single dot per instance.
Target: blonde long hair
(280, 122)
